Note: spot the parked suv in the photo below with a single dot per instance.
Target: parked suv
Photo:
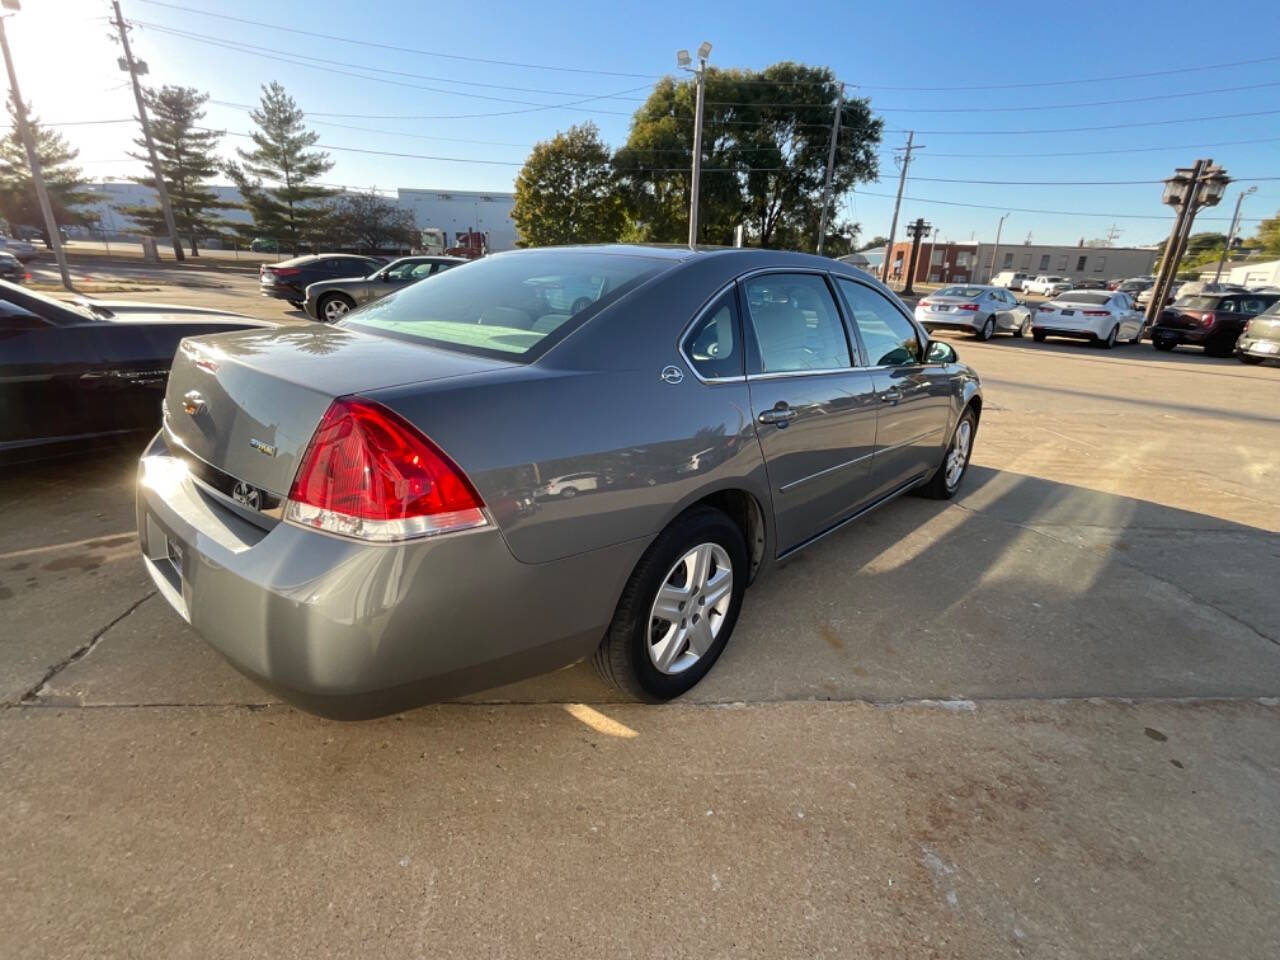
(288, 279)
(1213, 321)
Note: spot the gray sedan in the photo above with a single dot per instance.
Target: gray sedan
(331, 300)
(370, 516)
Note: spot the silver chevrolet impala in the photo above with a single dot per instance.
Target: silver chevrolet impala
(540, 457)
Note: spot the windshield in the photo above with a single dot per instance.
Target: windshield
(506, 305)
(966, 292)
(1083, 296)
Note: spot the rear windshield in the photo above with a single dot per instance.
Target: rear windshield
(1199, 303)
(969, 292)
(1273, 310)
(512, 306)
(1083, 296)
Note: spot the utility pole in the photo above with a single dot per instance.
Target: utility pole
(700, 77)
(33, 159)
(831, 162)
(1188, 190)
(893, 227)
(917, 232)
(131, 65)
(1231, 234)
(995, 263)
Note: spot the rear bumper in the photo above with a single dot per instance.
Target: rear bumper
(1062, 328)
(1259, 347)
(349, 630)
(968, 320)
(281, 291)
(1179, 335)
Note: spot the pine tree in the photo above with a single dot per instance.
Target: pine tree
(188, 159)
(62, 178)
(277, 178)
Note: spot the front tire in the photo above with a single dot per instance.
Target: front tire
(678, 609)
(333, 307)
(955, 461)
(988, 329)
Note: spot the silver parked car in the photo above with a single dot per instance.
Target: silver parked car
(331, 300)
(372, 515)
(981, 310)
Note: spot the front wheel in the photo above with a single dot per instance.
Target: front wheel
(988, 329)
(334, 307)
(678, 609)
(955, 462)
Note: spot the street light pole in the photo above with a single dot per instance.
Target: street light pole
(1201, 186)
(700, 78)
(1231, 235)
(831, 162)
(33, 159)
(996, 252)
(132, 66)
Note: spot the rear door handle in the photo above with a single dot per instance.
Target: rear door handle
(779, 416)
(891, 396)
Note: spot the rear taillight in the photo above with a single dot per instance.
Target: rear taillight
(284, 271)
(1207, 318)
(966, 306)
(1045, 308)
(925, 303)
(1096, 313)
(370, 474)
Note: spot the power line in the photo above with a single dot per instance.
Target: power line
(1064, 213)
(1108, 126)
(1091, 153)
(1064, 83)
(388, 46)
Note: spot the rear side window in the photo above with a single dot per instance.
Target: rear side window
(795, 324)
(1254, 304)
(714, 345)
(889, 337)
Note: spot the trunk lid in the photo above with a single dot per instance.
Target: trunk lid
(1265, 326)
(248, 402)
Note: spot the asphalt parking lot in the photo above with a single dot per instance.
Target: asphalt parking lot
(1040, 720)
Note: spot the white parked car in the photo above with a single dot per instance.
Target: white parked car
(1047, 286)
(1009, 279)
(1103, 317)
(981, 310)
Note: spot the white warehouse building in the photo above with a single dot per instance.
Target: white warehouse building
(453, 211)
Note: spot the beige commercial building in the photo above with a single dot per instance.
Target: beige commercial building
(1073, 262)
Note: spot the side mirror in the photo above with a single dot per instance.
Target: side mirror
(1021, 303)
(939, 351)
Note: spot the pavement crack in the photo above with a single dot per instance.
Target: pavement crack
(1039, 531)
(82, 651)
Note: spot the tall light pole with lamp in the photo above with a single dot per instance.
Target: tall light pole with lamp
(1189, 190)
(995, 253)
(1231, 234)
(683, 61)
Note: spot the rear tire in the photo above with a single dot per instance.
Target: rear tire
(1219, 350)
(1165, 345)
(1110, 340)
(1038, 336)
(1020, 331)
(988, 329)
(1246, 358)
(628, 656)
(296, 304)
(950, 474)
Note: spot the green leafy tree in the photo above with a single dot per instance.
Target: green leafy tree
(371, 223)
(277, 178)
(188, 159)
(62, 178)
(1268, 236)
(566, 191)
(873, 243)
(766, 137)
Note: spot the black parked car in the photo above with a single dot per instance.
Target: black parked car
(288, 279)
(11, 268)
(75, 372)
(1213, 321)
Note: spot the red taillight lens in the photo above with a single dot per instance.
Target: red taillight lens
(1045, 308)
(967, 306)
(925, 303)
(284, 271)
(1096, 313)
(369, 473)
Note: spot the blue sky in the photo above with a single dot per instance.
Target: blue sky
(67, 69)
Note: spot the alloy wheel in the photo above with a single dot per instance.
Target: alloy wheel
(689, 611)
(958, 455)
(335, 308)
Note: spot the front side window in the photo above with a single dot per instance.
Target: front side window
(714, 345)
(407, 269)
(795, 324)
(505, 305)
(889, 337)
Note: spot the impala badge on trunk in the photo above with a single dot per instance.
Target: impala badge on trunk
(261, 447)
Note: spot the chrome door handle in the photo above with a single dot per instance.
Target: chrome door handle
(891, 396)
(779, 416)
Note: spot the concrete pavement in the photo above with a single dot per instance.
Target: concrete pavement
(1040, 720)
